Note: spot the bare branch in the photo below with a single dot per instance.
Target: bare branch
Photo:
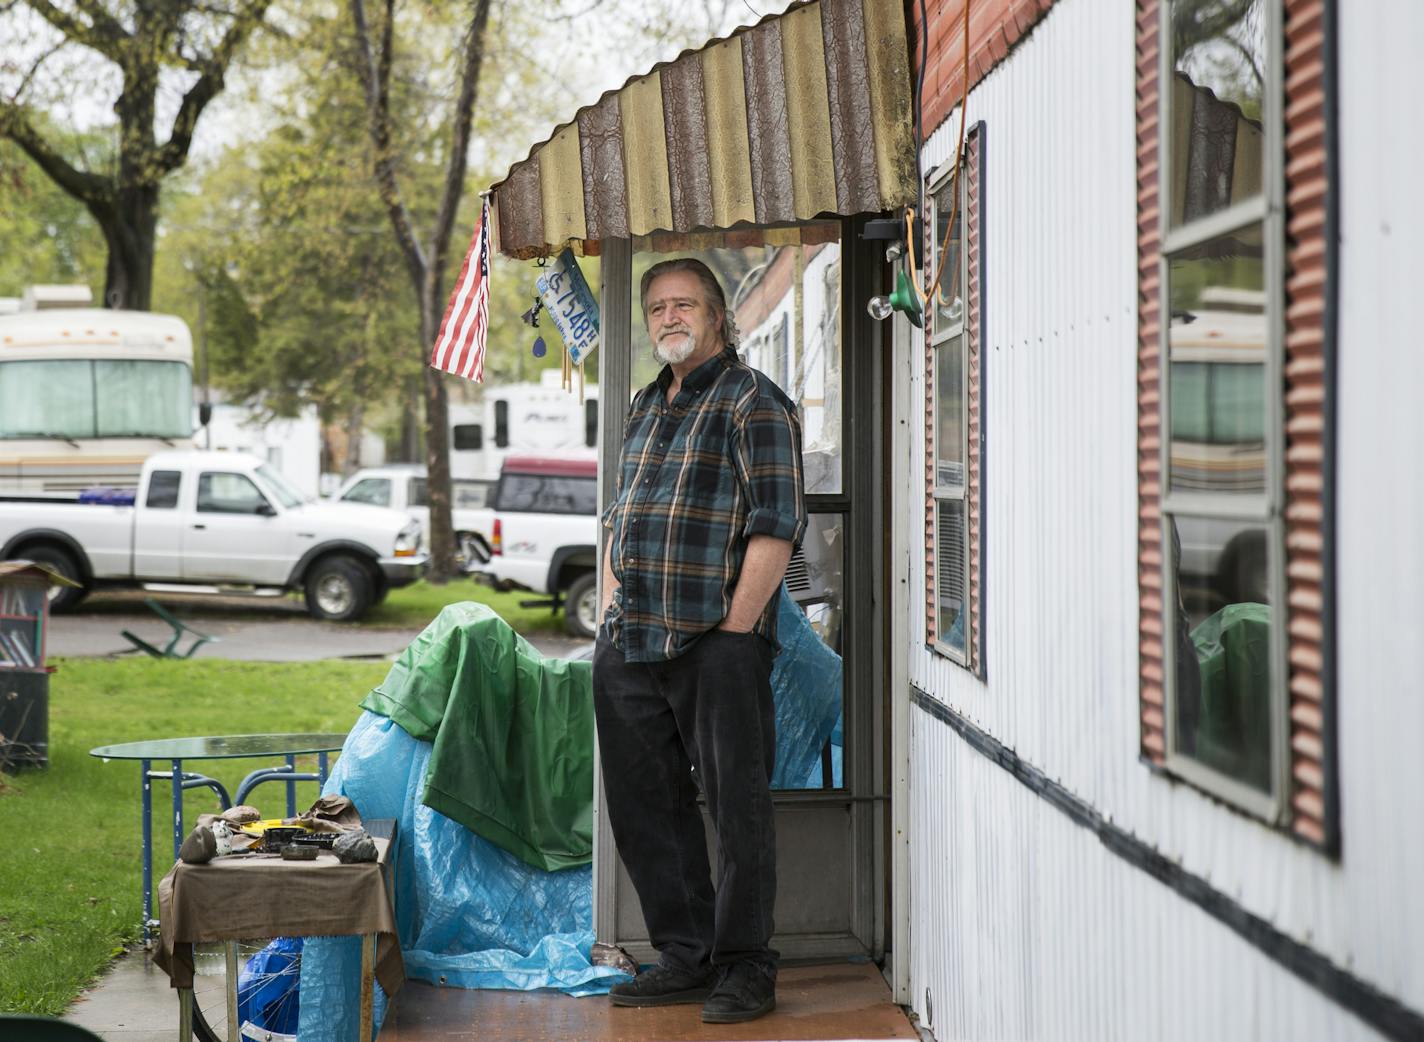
(104, 34)
(460, 143)
(20, 90)
(90, 189)
(375, 77)
(592, 7)
(173, 154)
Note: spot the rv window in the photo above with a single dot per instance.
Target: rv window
(469, 437)
(501, 425)
(82, 398)
(163, 489)
(590, 422)
(47, 399)
(419, 493)
(547, 494)
(143, 399)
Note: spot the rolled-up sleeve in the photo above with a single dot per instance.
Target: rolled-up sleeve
(766, 450)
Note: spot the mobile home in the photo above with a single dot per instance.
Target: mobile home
(1122, 492)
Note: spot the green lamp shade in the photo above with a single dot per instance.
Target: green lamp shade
(907, 300)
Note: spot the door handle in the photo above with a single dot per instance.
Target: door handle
(200, 526)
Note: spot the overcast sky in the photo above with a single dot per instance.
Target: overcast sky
(596, 45)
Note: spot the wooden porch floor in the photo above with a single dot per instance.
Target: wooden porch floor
(840, 1001)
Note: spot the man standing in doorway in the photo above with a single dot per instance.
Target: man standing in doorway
(710, 505)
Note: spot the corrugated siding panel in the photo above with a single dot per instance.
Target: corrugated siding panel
(685, 108)
(1058, 362)
(1061, 570)
(1025, 926)
(974, 499)
(1307, 580)
(707, 141)
(848, 95)
(1149, 375)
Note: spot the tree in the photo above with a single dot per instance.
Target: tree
(287, 243)
(425, 264)
(195, 40)
(46, 235)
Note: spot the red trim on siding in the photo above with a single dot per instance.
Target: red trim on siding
(995, 28)
(1306, 180)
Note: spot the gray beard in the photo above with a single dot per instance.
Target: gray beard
(674, 350)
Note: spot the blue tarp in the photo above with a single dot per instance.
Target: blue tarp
(471, 915)
(468, 914)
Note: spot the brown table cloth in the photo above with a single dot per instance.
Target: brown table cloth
(248, 896)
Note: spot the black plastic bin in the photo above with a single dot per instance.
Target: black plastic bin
(24, 718)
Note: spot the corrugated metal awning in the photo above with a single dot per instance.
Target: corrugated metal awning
(804, 114)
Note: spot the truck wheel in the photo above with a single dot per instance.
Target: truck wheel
(338, 589)
(61, 598)
(581, 606)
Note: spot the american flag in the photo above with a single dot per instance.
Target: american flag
(460, 344)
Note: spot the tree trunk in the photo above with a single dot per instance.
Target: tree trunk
(354, 423)
(410, 421)
(130, 230)
(437, 451)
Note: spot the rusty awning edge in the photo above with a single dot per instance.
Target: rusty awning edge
(804, 115)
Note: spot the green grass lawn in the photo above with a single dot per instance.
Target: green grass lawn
(70, 848)
(415, 605)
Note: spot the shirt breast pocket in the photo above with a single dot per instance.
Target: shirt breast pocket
(710, 481)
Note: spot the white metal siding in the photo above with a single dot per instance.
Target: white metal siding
(1060, 583)
(1028, 928)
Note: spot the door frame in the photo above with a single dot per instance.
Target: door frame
(868, 717)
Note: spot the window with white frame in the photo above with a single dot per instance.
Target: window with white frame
(1221, 269)
(947, 331)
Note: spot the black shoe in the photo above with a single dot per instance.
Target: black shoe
(746, 991)
(662, 986)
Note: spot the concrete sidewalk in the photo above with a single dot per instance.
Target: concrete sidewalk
(130, 1003)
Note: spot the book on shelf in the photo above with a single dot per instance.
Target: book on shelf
(17, 648)
(17, 601)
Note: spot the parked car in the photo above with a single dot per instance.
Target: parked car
(210, 521)
(403, 487)
(545, 535)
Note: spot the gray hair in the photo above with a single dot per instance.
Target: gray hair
(711, 288)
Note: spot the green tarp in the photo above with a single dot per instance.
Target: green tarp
(1234, 730)
(512, 733)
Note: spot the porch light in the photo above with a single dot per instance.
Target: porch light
(903, 299)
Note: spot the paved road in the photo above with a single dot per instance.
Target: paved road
(277, 630)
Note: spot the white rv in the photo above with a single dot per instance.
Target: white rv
(529, 419)
(87, 394)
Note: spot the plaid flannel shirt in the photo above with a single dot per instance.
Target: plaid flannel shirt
(699, 477)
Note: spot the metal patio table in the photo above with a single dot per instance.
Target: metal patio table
(219, 747)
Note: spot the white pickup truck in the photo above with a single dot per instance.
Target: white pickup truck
(545, 535)
(403, 487)
(210, 521)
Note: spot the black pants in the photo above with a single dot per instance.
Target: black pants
(706, 715)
